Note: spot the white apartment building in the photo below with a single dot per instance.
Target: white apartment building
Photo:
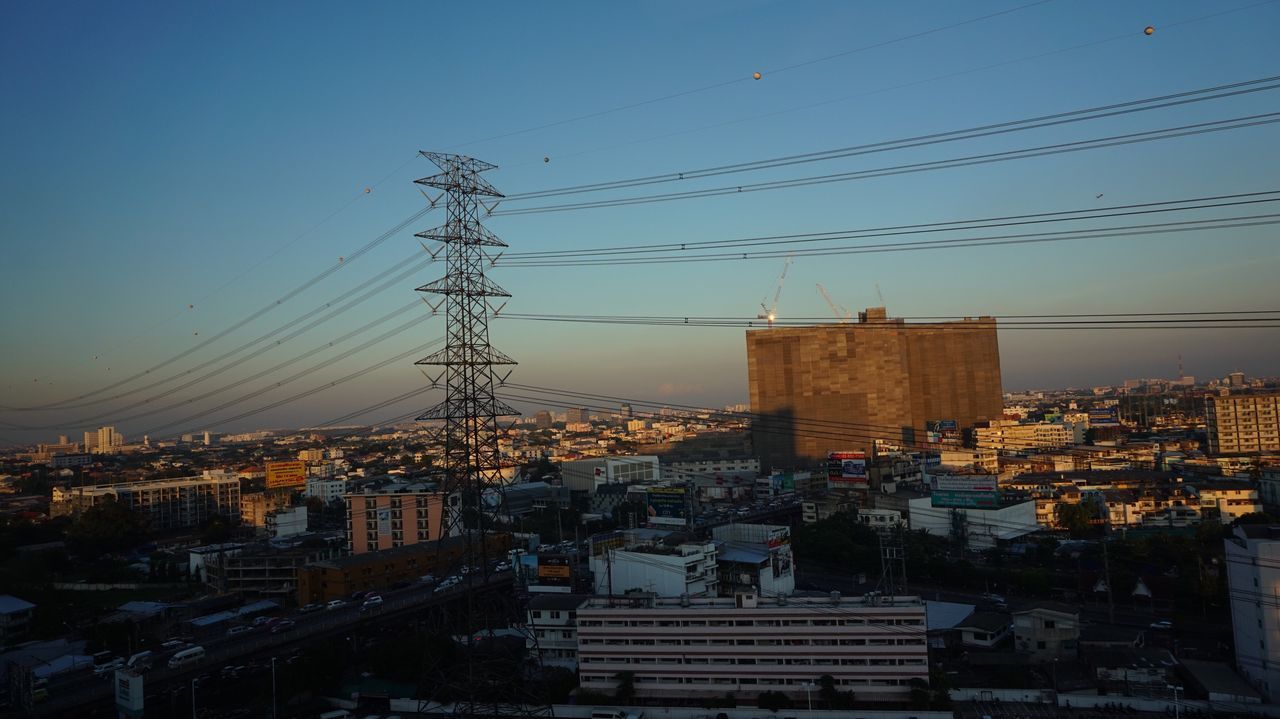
(744, 467)
(287, 522)
(584, 475)
(1230, 499)
(1253, 579)
(983, 459)
(658, 568)
(1243, 423)
(695, 648)
(325, 489)
(552, 629)
(167, 503)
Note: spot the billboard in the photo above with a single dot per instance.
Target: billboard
(783, 482)
(964, 482)
(965, 500)
(286, 474)
(1103, 417)
(603, 542)
(554, 570)
(937, 431)
(384, 521)
(846, 469)
(668, 506)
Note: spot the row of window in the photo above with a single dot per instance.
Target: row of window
(757, 661)
(638, 642)
(749, 622)
(607, 679)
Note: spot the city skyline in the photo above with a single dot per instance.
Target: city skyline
(218, 213)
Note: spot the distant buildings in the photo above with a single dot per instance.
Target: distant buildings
(577, 415)
(395, 516)
(1007, 436)
(15, 618)
(1243, 423)
(166, 503)
(1253, 582)
(703, 648)
(104, 439)
(842, 386)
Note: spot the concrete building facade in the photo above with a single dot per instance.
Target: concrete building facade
(166, 503)
(708, 647)
(1253, 578)
(1243, 423)
(393, 518)
(874, 379)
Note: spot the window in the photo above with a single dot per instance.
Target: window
(1050, 624)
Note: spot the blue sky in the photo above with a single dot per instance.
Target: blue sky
(159, 156)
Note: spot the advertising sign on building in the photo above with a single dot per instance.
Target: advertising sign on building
(938, 431)
(129, 693)
(286, 474)
(668, 506)
(965, 500)
(603, 542)
(384, 521)
(846, 469)
(964, 482)
(1103, 417)
(554, 570)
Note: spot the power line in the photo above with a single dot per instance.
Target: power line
(243, 321)
(1187, 97)
(1234, 123)
(1037, 218)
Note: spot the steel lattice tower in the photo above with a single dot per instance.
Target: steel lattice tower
(471, 463)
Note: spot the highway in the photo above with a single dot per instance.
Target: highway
(70, 697)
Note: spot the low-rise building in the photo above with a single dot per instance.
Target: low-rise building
(1047, 631)
(701, 648)
(1227, 500)
(262, 570)
(553, 629)
(584, 475)
(647, 562)
(15, 618)
(754, 558)
(985, 630)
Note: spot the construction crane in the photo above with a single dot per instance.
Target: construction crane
(842, 314)
(769, 313)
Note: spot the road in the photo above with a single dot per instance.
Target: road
(86, 690)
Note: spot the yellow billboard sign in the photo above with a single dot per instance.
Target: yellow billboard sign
(286, 474)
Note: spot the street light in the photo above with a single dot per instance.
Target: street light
(273, 688)
(194, 682)
(808, 692)
(1177, 708)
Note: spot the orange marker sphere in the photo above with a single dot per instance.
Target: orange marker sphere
(756, 75)
(1150, 30)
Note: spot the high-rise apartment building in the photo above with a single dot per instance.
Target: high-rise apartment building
(394, 517)
(543, 420)
(1243, 423)
(842, 386)
(577, 414)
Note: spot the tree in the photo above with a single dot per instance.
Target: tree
(773, 701)
(626, 689)
(107, 527)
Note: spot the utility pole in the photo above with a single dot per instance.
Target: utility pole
(1106, 567)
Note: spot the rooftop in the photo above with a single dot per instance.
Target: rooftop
(784, 604)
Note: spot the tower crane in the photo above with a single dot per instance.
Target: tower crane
(769, 313)
(842, 314)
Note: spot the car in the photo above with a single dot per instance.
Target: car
(109, 669)
(373, 601)
(261, 621)
(450, 581)
(310, 607)
(238, 630)
(357, 596)
(173, 644)
(427, 579)
(282, 626)
(1163, 625)
(502, 567)
(335, 604)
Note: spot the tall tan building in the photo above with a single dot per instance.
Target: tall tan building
(839, 387)
(394, 518)
(1243, 423)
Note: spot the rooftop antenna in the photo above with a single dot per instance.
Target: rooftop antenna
(880, 295)
(771, 312)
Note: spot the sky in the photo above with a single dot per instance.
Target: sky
(169, 170)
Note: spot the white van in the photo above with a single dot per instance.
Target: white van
(186, 657)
